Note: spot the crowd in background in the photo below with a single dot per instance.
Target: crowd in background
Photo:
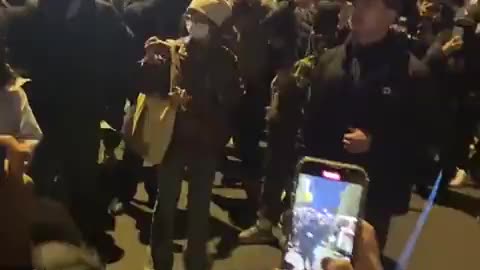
(386, 84)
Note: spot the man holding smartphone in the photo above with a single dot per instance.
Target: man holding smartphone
(369, 104)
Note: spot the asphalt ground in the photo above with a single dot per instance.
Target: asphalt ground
(450, 239)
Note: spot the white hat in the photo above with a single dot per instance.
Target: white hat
(216, 10)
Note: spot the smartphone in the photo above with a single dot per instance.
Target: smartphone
(327, 205)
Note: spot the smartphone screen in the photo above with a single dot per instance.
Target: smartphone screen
(325, 217)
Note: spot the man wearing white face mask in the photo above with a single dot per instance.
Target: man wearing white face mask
(204, 90)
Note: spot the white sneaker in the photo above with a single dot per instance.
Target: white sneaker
(260, 233)
(460, 179)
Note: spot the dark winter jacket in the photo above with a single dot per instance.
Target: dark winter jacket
(282, 26)
(390, 100)
(252, 46)
(75, 60)
(149, 18)
(210, 76)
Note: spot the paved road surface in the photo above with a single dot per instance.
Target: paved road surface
(450, 240)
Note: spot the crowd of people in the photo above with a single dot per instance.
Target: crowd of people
(385, 84)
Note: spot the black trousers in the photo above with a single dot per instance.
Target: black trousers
(456, 147)
(248, 132)
(250, 125)
(282, 156)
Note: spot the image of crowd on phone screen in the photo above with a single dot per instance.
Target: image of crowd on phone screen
(323, 222)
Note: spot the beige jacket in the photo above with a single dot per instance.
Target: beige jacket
(151, 128)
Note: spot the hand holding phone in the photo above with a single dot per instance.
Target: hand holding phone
(368, 253)
(357, 141)
(328, 204)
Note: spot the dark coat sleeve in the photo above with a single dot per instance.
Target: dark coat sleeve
(230, 96)
(120, 55)
(434, 58)
(282, 30)
(17, 30)
(155, 18)
(286, 115)
(426, 109)
(228, 90)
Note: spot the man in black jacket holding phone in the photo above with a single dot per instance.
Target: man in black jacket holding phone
(369, 104)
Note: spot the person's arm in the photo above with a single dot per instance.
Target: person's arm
(368, 253)
(280, 24)
(29, 132)
(17, 154)
(435, 59)
(229, 97)
(7, 141)
(21, 145)
(120, 59)
(27, 129)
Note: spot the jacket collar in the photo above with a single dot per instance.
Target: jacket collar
(374, 60)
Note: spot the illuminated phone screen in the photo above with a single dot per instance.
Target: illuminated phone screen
(325, 216)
